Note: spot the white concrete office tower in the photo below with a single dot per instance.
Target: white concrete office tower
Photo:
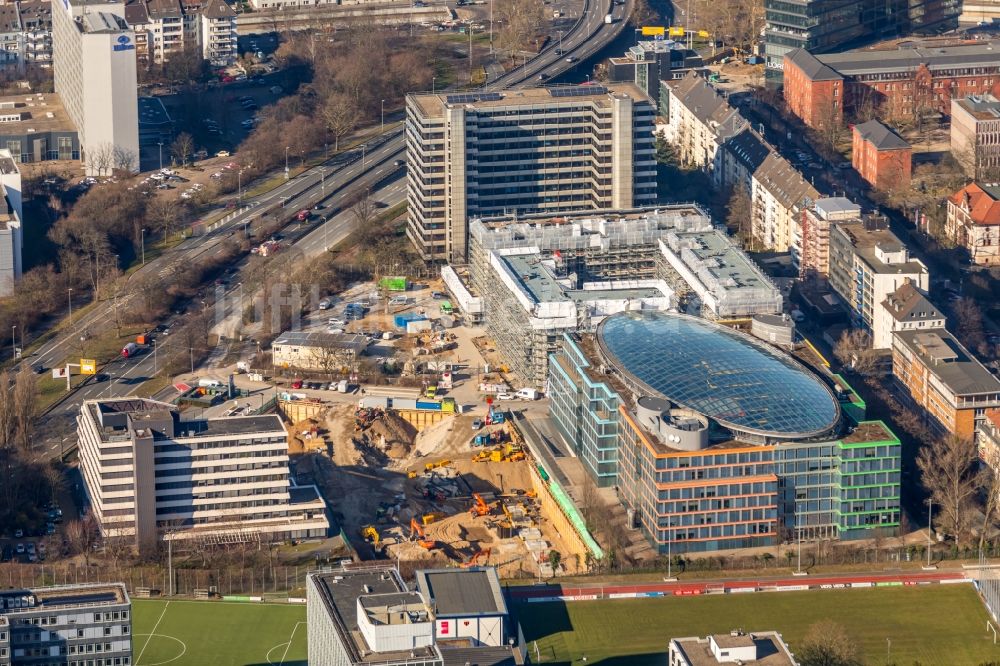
(11, 217)
(523, 151)
(151, 475)
(94, 68)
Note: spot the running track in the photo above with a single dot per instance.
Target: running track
(539, 593)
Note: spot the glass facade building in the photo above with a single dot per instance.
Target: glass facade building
(731, 488)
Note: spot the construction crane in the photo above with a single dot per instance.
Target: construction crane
(483, 555)
(480, 508)
(417, 532)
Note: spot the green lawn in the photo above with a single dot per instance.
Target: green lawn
(193, 633)
(939, 624)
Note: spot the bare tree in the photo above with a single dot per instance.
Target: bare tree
(123, 159)
(182, 148)
(24, 407)
(828, 644)
(949, 468)
(854, 350)
(520, 21)
(968, 322)
(364, 210)
(82, 535)
(101, 158)
(739, 215)
(340, 115)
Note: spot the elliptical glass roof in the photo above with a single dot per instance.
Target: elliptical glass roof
(728, 376)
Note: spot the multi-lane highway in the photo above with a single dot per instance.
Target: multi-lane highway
(367, 167)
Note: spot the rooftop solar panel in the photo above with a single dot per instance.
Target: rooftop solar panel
(469, 98)
(578, 91)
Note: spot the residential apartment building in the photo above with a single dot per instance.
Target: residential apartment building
(94, 66)
(80, 624)
(700, 121)
(152, 475)
(811, 240)
(522, 151)
(716, 440)
(894, 84)
(370, 616)
(975, 135)
(168, 27)
(742, 155)
(867, 263)
(36, 26)
(821, 27)
(779, 195)
(908, 309)
(973, 222)
(650, 62)
(952, 389)
(881, 157)
(11, 36)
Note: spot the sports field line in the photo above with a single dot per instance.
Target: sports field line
(290, 639)
(230, 603)
(153, 631)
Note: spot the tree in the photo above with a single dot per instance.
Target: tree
(100, 158)
(827, 644)
(82, 535)
(854, 350)
(340, 115)
(520, 21)
(24, 407)
(554, 559)
(182, 148)
(739, 214)
(123, 159)
(949, 472)
(364, 209)
(968, 322)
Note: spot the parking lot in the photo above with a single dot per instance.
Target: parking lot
(32, 544)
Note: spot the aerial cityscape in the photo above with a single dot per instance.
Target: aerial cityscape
(499, 332)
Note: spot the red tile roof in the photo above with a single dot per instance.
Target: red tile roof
(983, 207)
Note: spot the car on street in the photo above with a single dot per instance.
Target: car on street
(20, 549)
(505, 396)
(101, 377)
(222, 153)
(572, 59)
(477, 424)
(398, 163)
(18, 533)
(297, 384)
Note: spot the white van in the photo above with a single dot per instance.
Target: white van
(527, 394)
(325, 304)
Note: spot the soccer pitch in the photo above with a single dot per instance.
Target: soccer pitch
(193, 633)
(939, 624)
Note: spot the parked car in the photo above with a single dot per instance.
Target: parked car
(222, 153)
(477, 424)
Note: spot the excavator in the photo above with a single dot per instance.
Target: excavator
(480, 508)
(483, 555)
(417, 532)
(371, 535)
(434, 465)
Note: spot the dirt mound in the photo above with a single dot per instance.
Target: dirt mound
(390, 432)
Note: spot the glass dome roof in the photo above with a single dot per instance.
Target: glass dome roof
(728, 376)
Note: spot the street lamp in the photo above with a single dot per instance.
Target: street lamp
(160, 144)
(13, 341)
(69, 299)
(383, 116)
(286, 162)
(143, 242)
(433, 80)
(239, 187)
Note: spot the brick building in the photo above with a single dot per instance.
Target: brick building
(973, 222)
(881, 157)
(892, 84)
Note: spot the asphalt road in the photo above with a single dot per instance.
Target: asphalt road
(364, 168)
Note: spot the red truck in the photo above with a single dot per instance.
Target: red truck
(302, 215)
(131, 349)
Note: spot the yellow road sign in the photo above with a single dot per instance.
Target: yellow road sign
(676, 32)
(652, 31)
(88, 366)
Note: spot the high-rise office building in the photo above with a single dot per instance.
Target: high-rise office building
(93, 51)
(151, 475)
(523, 151)
(822, 26)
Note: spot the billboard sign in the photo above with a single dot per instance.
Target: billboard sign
(676, 31)
(88, 366)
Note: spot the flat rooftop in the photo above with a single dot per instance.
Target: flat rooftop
(868, 241)
(340, 591)
(716, 255)
(48, 598)
(38, 112)
(871, 61)
(980, 107)
(109, 417)
(462, 591)
(102, 22)
(544, 287)
(434, 104)
(770, 649)
(949, 361)
(347, 341)
(869, 431)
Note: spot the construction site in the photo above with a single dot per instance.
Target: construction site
(540, 277)
(436, 492)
